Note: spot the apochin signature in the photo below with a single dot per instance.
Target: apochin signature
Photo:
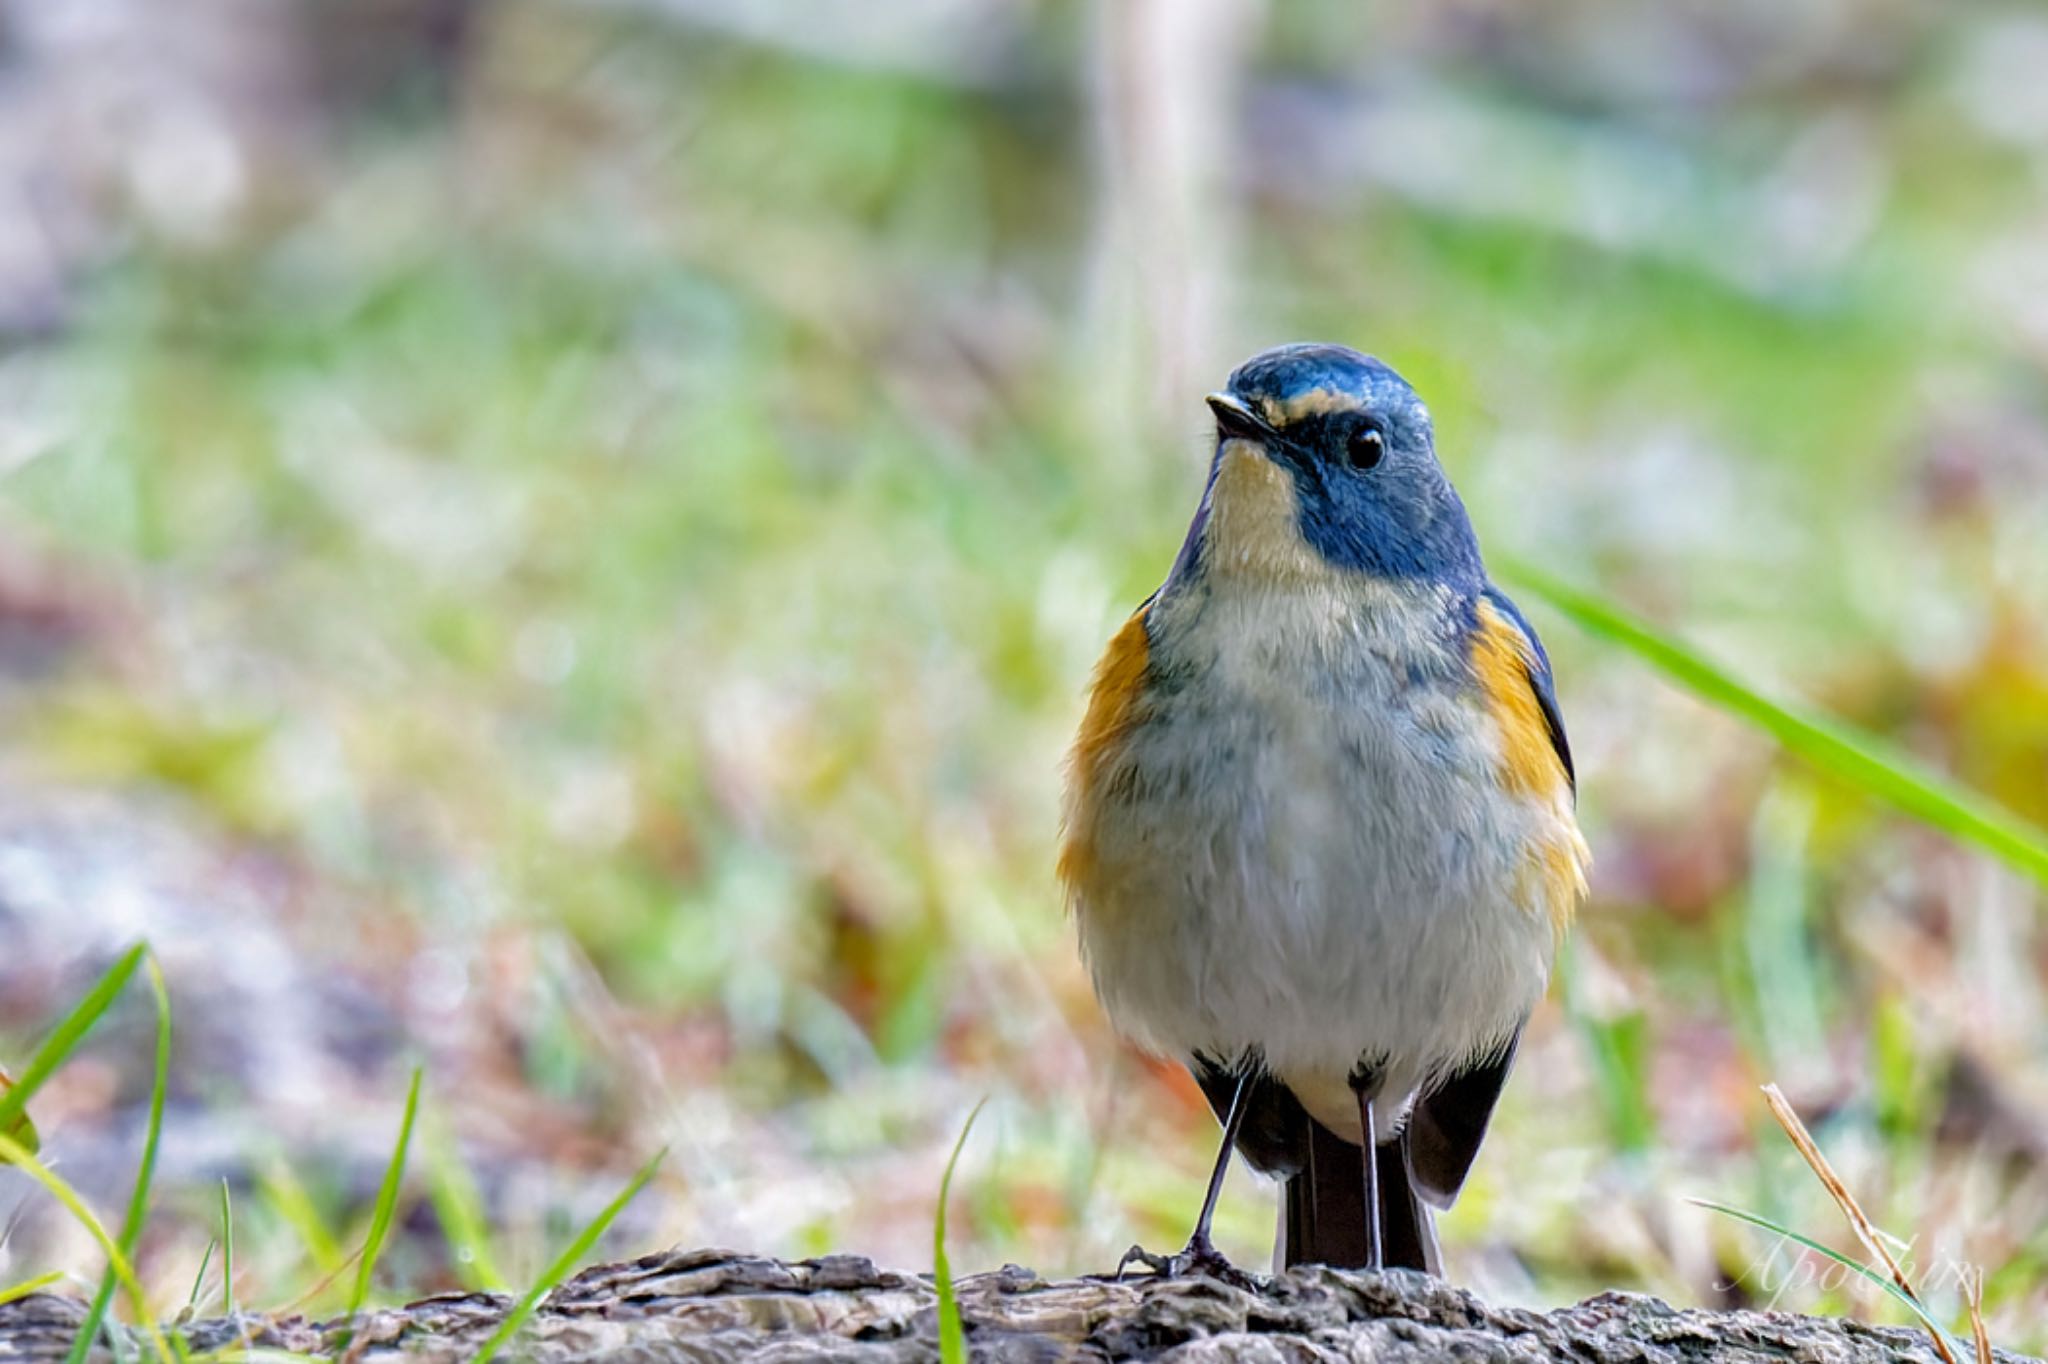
(1785, 1265)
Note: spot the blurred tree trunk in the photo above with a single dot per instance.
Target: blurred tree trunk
(712, 1305)
(1164, 84)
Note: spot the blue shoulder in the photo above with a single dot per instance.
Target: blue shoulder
(1540, 679)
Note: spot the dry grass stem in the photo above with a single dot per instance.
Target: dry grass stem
(1973, 1290)
(1859, 1221)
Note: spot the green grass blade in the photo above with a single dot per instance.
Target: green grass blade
(199, 1279)
(1905, 1299)
(286, 1197)
(13, 1153)
(1836, 748)
(138, 1199)
(227, 1250)
(62, 1041)
(460, 1208)
(387, 1199)
(1620, 1045)
(23, 1133)
(27, 1286)
(565, 1263)
(952, 1335)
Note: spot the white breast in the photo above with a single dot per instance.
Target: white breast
(1306, 851)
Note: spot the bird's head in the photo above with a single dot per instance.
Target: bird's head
(1325, 461)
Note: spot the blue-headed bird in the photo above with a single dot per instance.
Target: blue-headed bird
(1319, 834)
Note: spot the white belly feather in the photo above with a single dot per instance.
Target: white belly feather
(1307, 851)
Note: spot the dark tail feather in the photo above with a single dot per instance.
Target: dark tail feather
(1407, 1226)
(1322, 1220)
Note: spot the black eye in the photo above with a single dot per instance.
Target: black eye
(1365, 447)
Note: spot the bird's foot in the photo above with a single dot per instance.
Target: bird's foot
(1198, 1257)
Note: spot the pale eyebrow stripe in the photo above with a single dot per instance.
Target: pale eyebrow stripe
(1316, 402)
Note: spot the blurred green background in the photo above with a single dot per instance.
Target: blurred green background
(563, 543)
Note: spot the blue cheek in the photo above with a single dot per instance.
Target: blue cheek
(1370, 524)
(1353, 533)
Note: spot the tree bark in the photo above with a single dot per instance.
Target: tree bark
(716, 1307)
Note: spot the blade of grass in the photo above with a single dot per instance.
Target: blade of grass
(62, 1041)
(199, 1279)
(952, 1335)
(12, 1153)
(1910, 1303)
(1784, 975)
(1620, 1045)
(1859, 1221)
(24, 1130)
(1973, 1292)
(1832, 746)
(227, 1249)
(138, 1199)
(28, 1286)
(565, 1263)
(459, 1206)
(387, 1199)
(294, 1207)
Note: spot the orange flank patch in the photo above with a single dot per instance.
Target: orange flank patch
(1112, 710)
(1501, 656)
(1553, 880)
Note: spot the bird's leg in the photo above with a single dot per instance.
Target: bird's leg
(1200, 1255)
(1375, 1258)
(1199, 1243)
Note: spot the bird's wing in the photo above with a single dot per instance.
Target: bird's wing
(1536, 668)
(1447, 1124)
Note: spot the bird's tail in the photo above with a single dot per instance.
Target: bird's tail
(1322, 1214)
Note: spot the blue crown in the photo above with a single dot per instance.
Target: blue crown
(1287, 377)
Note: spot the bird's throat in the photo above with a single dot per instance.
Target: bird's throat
(1254, 525)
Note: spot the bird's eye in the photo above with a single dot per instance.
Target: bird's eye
(1365, 448)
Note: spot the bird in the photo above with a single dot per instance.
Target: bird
(1319, 832)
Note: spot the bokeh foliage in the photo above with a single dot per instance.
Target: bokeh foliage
(624, 518)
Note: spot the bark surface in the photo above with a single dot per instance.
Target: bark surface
(713, 1306)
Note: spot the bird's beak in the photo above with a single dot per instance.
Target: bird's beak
(1235, 419)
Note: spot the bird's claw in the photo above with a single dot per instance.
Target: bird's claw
(1197, 1258)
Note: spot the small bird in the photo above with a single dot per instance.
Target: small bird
(1319, 835)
